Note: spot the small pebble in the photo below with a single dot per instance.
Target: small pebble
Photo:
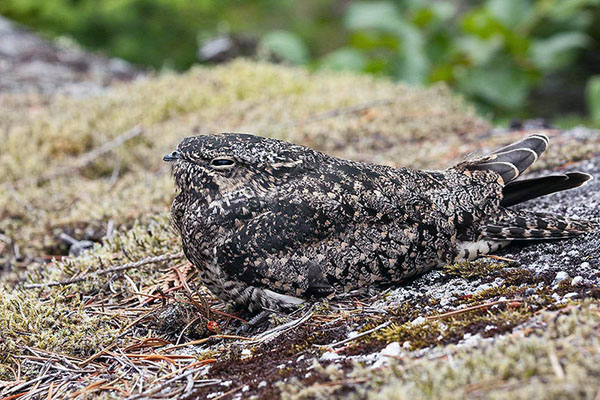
(406, 345)
(556, 296)
(262, 384)
(418, 321)
(577, 281)
(560, 276)
(446, 301)
(392, 349)
(585, 265)
(329, 355)
(484, 286)
(571, 295)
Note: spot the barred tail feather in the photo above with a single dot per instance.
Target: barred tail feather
(522, 225)
(510, 161)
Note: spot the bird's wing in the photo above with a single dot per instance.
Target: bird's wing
(267, 250)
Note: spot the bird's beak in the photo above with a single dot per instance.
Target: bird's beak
(172, 156)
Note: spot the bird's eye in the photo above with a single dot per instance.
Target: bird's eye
(222, 163)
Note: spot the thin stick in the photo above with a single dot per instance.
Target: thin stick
(207, 339)
(98, 354)
(232, 391)
(122, 267)
(278, 330)
(495, 257)
(365, 333)
(90, 156)
(157, 389)
(338, 111)
(472, 308)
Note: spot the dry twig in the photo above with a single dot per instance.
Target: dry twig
(122, 267)
(365, 333)
(90, 156)
(472, 308)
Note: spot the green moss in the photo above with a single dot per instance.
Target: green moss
(58, 324)
(452, 329)
(418, 336)
(57, 319)
(493, 292)
(473, 269)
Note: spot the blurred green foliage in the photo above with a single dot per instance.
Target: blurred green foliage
(495, 51)
(502, 54)
(166, 33)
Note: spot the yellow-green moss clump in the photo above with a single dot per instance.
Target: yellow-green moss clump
(57, 319)
(55, 323)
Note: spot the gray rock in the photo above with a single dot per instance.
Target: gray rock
(578, 280)
(560, 276)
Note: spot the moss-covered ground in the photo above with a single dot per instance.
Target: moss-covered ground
(134, 321)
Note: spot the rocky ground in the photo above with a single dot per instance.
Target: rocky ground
(29, 64)
(127, 319)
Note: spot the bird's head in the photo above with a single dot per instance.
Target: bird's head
(213, 165)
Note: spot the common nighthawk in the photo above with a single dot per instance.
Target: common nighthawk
(269, 223)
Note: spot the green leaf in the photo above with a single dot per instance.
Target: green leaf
(498, 83)
(479, 51)
(444, 11)
(345, 59)
(557, 51)
(567, 9)
(285, 45)
(380, 15)
(593, 98)
(511, 13)
(367, 40)
(481, 23)
(433, 14)
(412, 64)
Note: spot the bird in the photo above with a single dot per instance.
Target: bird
(271, 224)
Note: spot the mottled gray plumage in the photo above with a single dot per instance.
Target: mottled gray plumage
(269, 223)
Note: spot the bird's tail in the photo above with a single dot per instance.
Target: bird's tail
(509, 163)
(525, 225)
